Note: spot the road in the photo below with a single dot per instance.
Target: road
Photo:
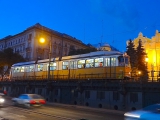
(56, 112)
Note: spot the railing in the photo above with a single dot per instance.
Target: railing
(117, 76)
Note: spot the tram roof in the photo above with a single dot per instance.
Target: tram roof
(91, 54)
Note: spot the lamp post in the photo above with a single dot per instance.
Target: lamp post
(50, 49)
(42, 40)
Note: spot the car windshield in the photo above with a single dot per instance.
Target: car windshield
(153, 108)
(34, 96)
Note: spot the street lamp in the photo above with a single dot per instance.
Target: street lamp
(42, 40)
(146, 59)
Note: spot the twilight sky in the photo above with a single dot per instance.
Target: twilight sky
(91, 21)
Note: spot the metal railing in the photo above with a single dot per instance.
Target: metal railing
(79, 76)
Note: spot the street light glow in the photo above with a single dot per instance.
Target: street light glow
(42, 40)
(146, 59)
(139, 72)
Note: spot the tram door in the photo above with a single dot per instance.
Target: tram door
(72, 70)
(113, 66)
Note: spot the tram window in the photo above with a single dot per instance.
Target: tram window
(40, 67)
(107, 61)
(126, 60)
(98, 62)
(81, 63)
(75, 64)
(27, 68)
(22, 69)
(31, 68)
(121, 60)
(71, 65)
(17, 69)
(53, 66)
(65, 65)
(113, 61)
(89, 63)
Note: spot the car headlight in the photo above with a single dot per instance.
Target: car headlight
(132, 115)
(1, 100)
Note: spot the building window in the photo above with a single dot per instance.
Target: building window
(100, 95)
(133, 97)
(87, 94)
(30, 37)
(115, 96)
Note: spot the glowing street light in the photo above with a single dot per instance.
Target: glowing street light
(146, 59)
(139, 72)
(42, 40)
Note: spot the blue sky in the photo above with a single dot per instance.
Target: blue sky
(91, 21)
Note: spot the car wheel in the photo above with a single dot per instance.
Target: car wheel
(15, 103)
(27, 105)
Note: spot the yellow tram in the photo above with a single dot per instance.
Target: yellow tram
(93, 65)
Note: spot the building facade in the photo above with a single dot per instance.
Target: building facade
(152, 48)
(28, 45)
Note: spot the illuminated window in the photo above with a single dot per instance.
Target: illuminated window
(107, 61)
(98, 62)
(31, 68)
(81, 64)
(22, 69)
(17, 69)
(113, 61)
(73, 64)
(40, 67)
(65, 65)
(89, 63)
(53, 66)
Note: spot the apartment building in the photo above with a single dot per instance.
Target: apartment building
(28, 45)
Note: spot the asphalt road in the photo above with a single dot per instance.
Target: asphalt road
(57, 112)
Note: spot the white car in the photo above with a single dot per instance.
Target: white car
(1, 101)
(29, 100)
(151, 112)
